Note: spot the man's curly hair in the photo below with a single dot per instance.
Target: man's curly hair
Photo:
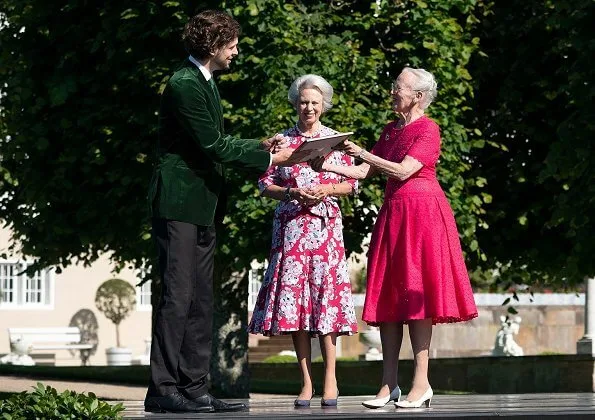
(209, 31)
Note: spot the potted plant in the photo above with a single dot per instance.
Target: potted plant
(116, 298)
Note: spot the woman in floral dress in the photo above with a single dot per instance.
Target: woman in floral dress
(306, 290)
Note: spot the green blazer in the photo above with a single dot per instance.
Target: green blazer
(188, 178)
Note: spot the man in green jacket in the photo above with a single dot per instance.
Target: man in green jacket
(185, 193)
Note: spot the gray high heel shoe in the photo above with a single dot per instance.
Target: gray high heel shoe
(303, 403)
(330, 402)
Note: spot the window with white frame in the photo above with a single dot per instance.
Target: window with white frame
(143, 292)
(143, 296)
(255, 276)
(19, 289)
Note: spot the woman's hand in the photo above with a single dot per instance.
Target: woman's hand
(318, 164)
(303, 196)
(320, 192)
(350, 148)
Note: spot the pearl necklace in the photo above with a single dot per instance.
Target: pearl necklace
(313, 133)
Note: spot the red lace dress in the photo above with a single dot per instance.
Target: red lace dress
(306, 285)
(416, 268)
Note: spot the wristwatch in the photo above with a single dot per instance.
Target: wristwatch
(287, 194)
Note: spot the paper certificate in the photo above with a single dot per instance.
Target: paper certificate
(322, 146)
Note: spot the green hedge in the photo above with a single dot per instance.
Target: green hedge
(278, 358)
(120, 375)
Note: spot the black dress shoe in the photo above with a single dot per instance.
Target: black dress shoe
(218, 405)
(175, 403)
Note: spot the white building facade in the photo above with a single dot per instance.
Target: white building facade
(49, 299)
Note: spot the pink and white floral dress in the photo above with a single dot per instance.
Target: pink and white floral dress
(306, 285)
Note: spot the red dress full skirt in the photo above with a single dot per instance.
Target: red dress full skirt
(416, 268)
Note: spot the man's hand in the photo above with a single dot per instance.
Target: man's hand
(288, 157)
(275, 143)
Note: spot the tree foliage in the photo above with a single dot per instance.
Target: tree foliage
(82, 92)
(82, 82)
(359, 47)
(535, 97)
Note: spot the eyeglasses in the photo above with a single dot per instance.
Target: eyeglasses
(394, 89)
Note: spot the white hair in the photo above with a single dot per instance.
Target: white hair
(424, 82)
(309, 81)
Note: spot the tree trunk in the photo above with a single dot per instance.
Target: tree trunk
(230, 376)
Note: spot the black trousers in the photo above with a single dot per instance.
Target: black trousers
(182, 333)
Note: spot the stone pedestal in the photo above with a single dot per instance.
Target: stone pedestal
(585, 345)
(144, 359)
(17, 359)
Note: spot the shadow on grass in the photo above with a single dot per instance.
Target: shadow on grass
(6, 395)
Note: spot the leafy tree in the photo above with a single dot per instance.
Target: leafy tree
(79, 113)
(359, 47)
(535, 97)
(82, 94)
(115, 298)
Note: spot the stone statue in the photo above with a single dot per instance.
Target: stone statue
(371, 338)
(505, 344)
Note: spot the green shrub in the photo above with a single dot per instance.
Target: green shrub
(550, 353)
(44, 402)
(277, 358)
(5, 396)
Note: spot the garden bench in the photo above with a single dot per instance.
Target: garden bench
(25, 340)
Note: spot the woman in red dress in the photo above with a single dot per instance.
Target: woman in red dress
(306, 289)
(416, 270)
